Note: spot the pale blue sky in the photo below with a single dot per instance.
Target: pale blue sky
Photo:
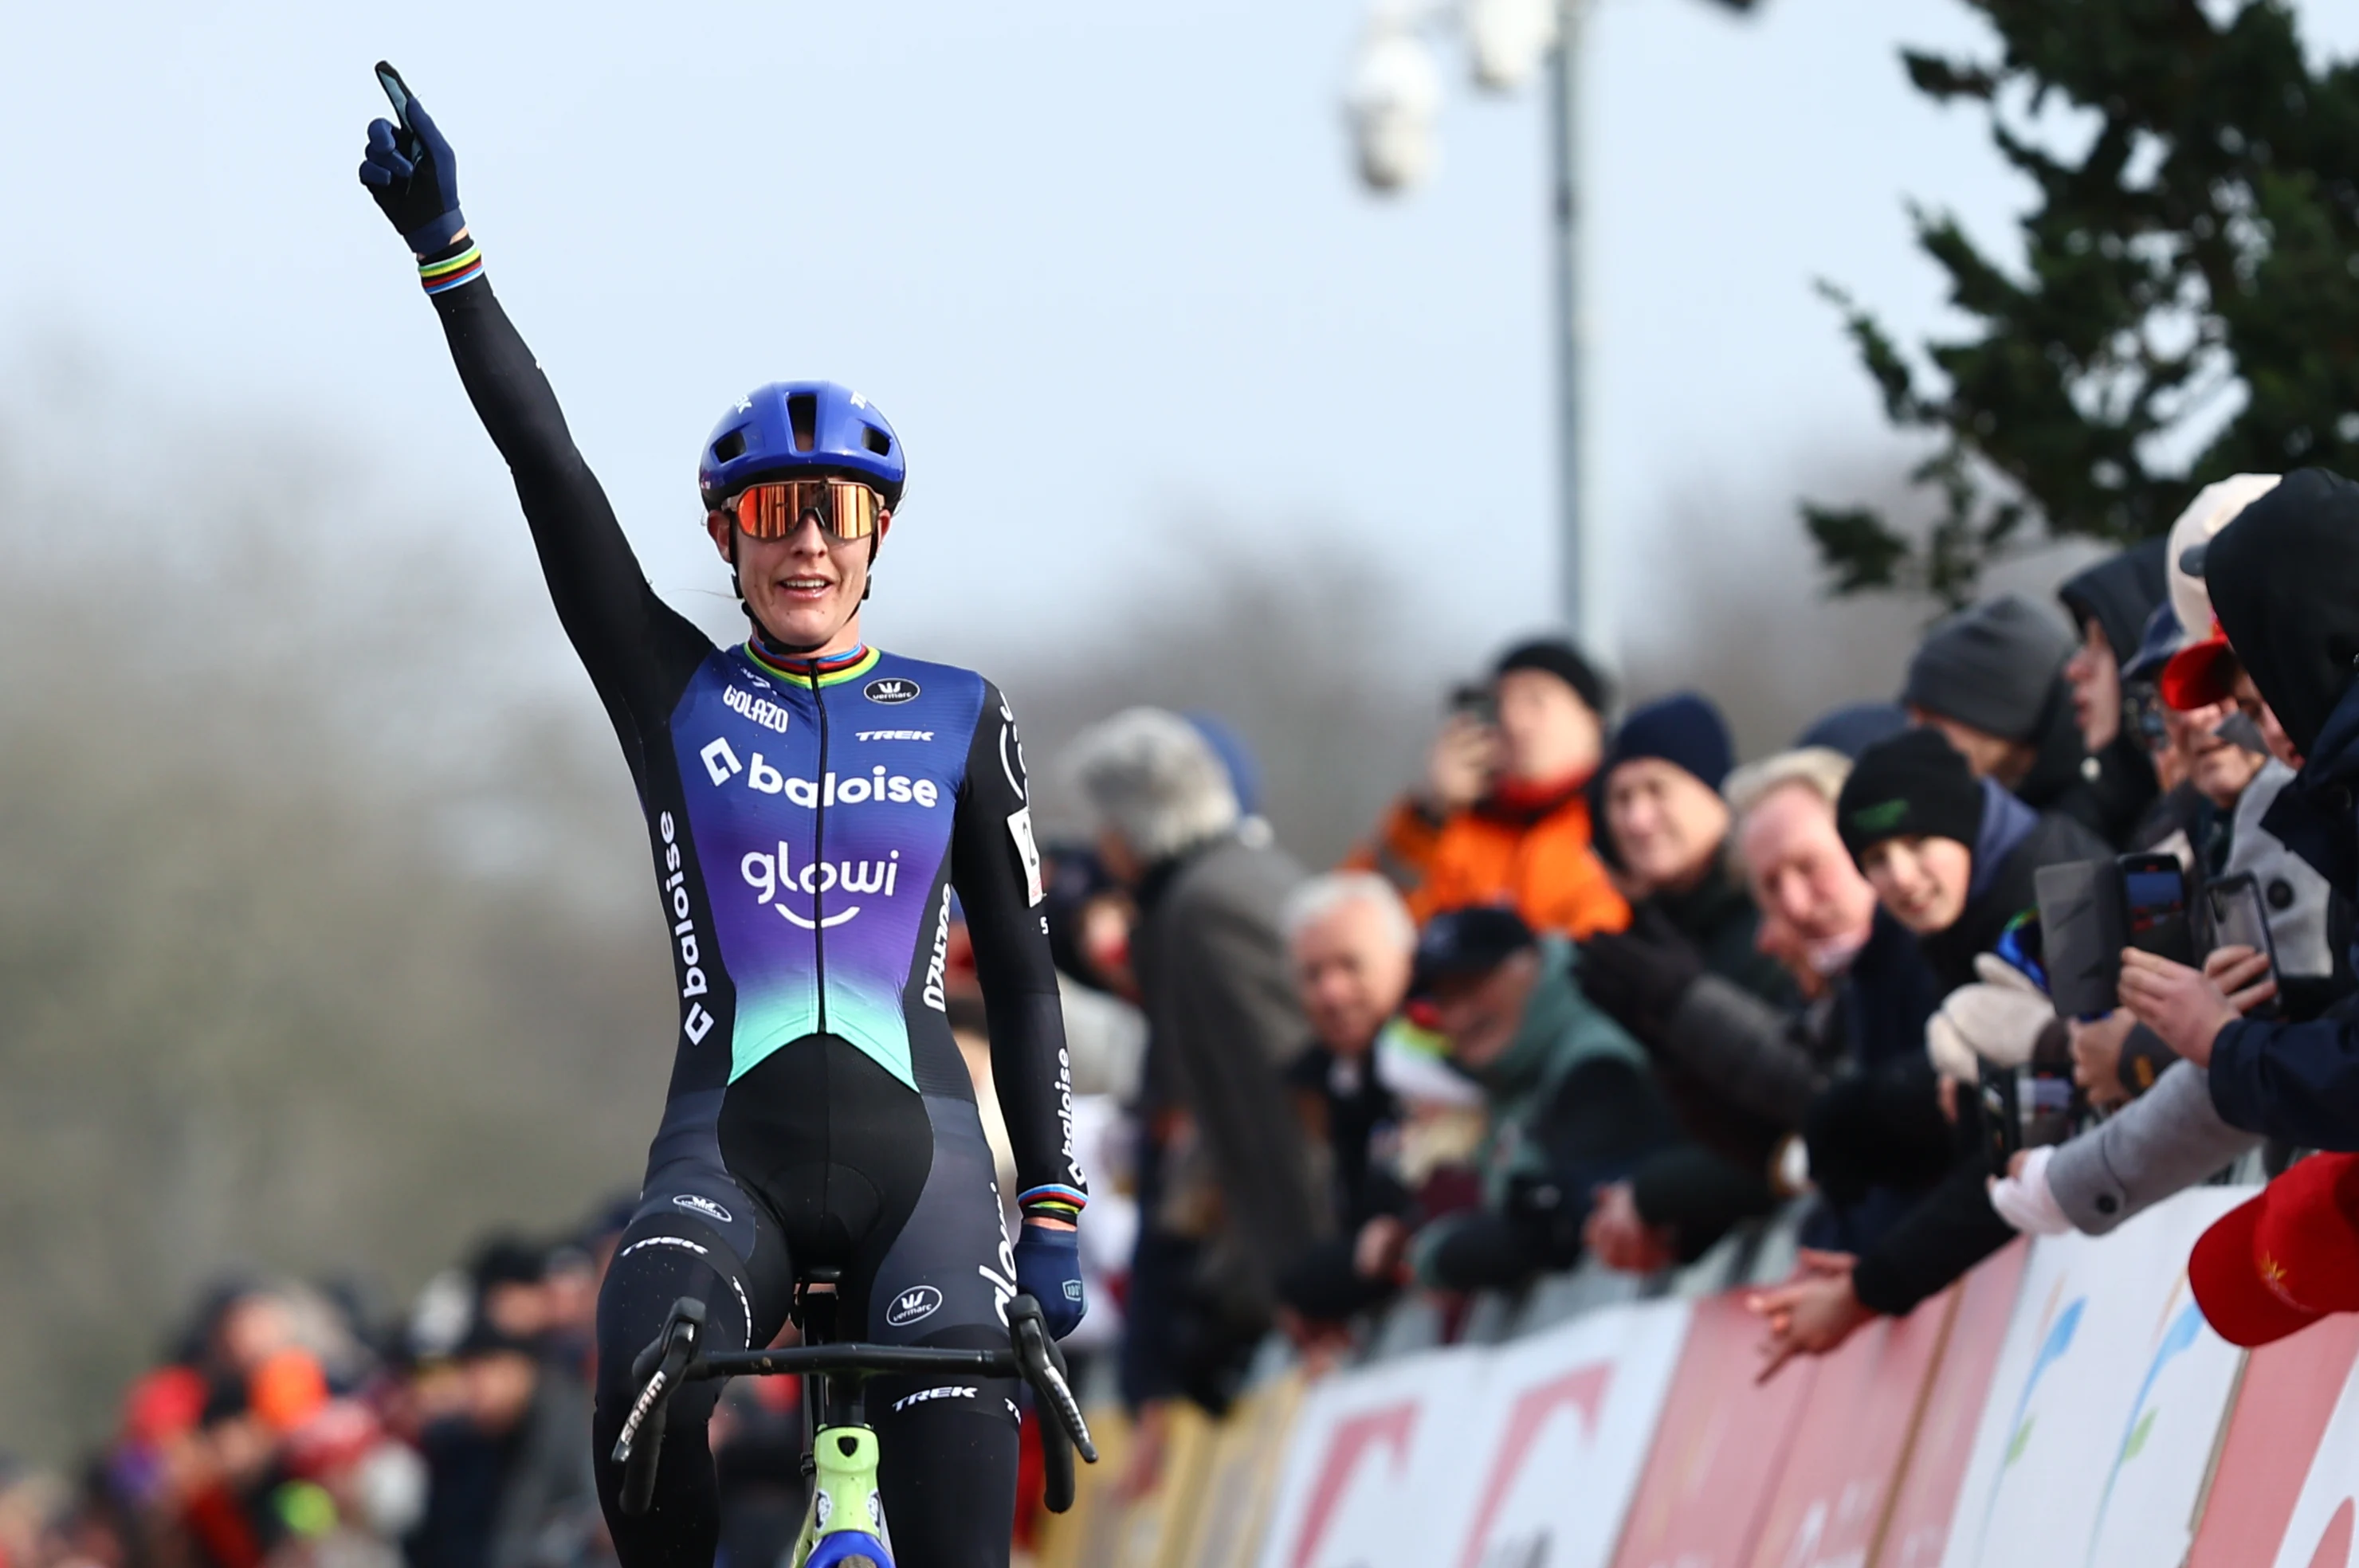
(1105, 266)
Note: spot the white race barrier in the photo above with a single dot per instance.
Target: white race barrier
(1527, 1451)
(2107, 1406)
(2078, 1418)
(1569, 1419)
(1378, 1458)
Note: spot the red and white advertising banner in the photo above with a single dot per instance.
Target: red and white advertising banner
(1927, 1502)
(2290, 1391)
(1850, 1443)
(1569, 1417)
(2267, 1506)
(2106, 1405)
(1381, 1464)
(1719, 1447)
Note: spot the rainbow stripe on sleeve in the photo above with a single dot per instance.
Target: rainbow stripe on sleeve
(1053, 1201)
(441, 276)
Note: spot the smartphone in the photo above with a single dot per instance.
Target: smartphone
(2239, 918)
(405, 141)
(2031, 1106)
(2001, 1128)
(2154, 889)
(1474, 700)
(2048, 1104)
(2083, 928)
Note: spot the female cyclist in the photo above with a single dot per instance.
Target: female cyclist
(811, 803)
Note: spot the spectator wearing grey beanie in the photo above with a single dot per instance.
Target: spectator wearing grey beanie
(1990, 678)
(1987, 673)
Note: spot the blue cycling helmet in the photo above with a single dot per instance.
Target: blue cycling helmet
(799, 426)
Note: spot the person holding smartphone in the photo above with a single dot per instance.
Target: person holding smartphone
(1504, 817)
(2283, 582)
(812, 805)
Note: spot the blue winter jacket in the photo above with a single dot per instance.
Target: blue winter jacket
(2300, 1082)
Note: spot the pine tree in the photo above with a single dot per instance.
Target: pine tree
(2188, 306)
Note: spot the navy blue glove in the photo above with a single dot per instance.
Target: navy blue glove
(414, 176)
(1049, 1269)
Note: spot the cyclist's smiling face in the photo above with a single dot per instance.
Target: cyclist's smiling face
(806, 587)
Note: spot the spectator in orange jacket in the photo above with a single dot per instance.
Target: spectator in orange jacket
(1506, 818)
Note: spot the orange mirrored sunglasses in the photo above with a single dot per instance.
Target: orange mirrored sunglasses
(845, 507)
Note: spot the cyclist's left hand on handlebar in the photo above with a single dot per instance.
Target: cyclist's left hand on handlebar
(419, 196)
(1049, 1269)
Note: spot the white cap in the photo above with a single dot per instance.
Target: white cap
(2213, 508)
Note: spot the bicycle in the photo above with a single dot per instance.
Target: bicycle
(843, 1525)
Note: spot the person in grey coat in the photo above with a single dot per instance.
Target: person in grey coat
(1227, 1195)
(2172, 1137)
(2166, 1141)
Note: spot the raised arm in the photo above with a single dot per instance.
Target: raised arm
(639, 651)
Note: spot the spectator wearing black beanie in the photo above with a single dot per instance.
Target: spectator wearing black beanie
(1669, 826)
(1504, 817)
(1916, 786)
(1912, 785)
(1554, 655)
(1659, 787)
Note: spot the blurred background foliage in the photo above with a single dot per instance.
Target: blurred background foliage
(2184, 305)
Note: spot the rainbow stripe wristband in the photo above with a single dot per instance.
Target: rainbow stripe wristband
(1053, 1202)
(451, 272)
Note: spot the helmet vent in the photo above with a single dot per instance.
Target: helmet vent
(878, 441)
(730, 446)
(802, 413)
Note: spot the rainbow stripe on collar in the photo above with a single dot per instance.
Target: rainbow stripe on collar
(833, 670)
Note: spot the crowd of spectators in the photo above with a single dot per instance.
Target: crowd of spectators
(1593, 990)
(292, 1423)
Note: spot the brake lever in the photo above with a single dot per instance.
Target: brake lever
(686, 1310)
(1068, 1410)
(659, 1370)
(1043, 1366)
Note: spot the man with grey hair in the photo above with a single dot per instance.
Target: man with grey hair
(1848, 1067)
(1350, 940)
(1225, 1192)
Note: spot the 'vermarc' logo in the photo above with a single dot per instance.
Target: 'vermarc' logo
(890, 689)
(913, 1305)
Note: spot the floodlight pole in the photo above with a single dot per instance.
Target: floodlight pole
(1581, 580)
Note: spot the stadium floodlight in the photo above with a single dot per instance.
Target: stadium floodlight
(1507, 40)
(1395, 93)
(1394, 97)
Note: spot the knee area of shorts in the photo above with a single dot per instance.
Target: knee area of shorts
(660, 1260)
(636, 1303)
